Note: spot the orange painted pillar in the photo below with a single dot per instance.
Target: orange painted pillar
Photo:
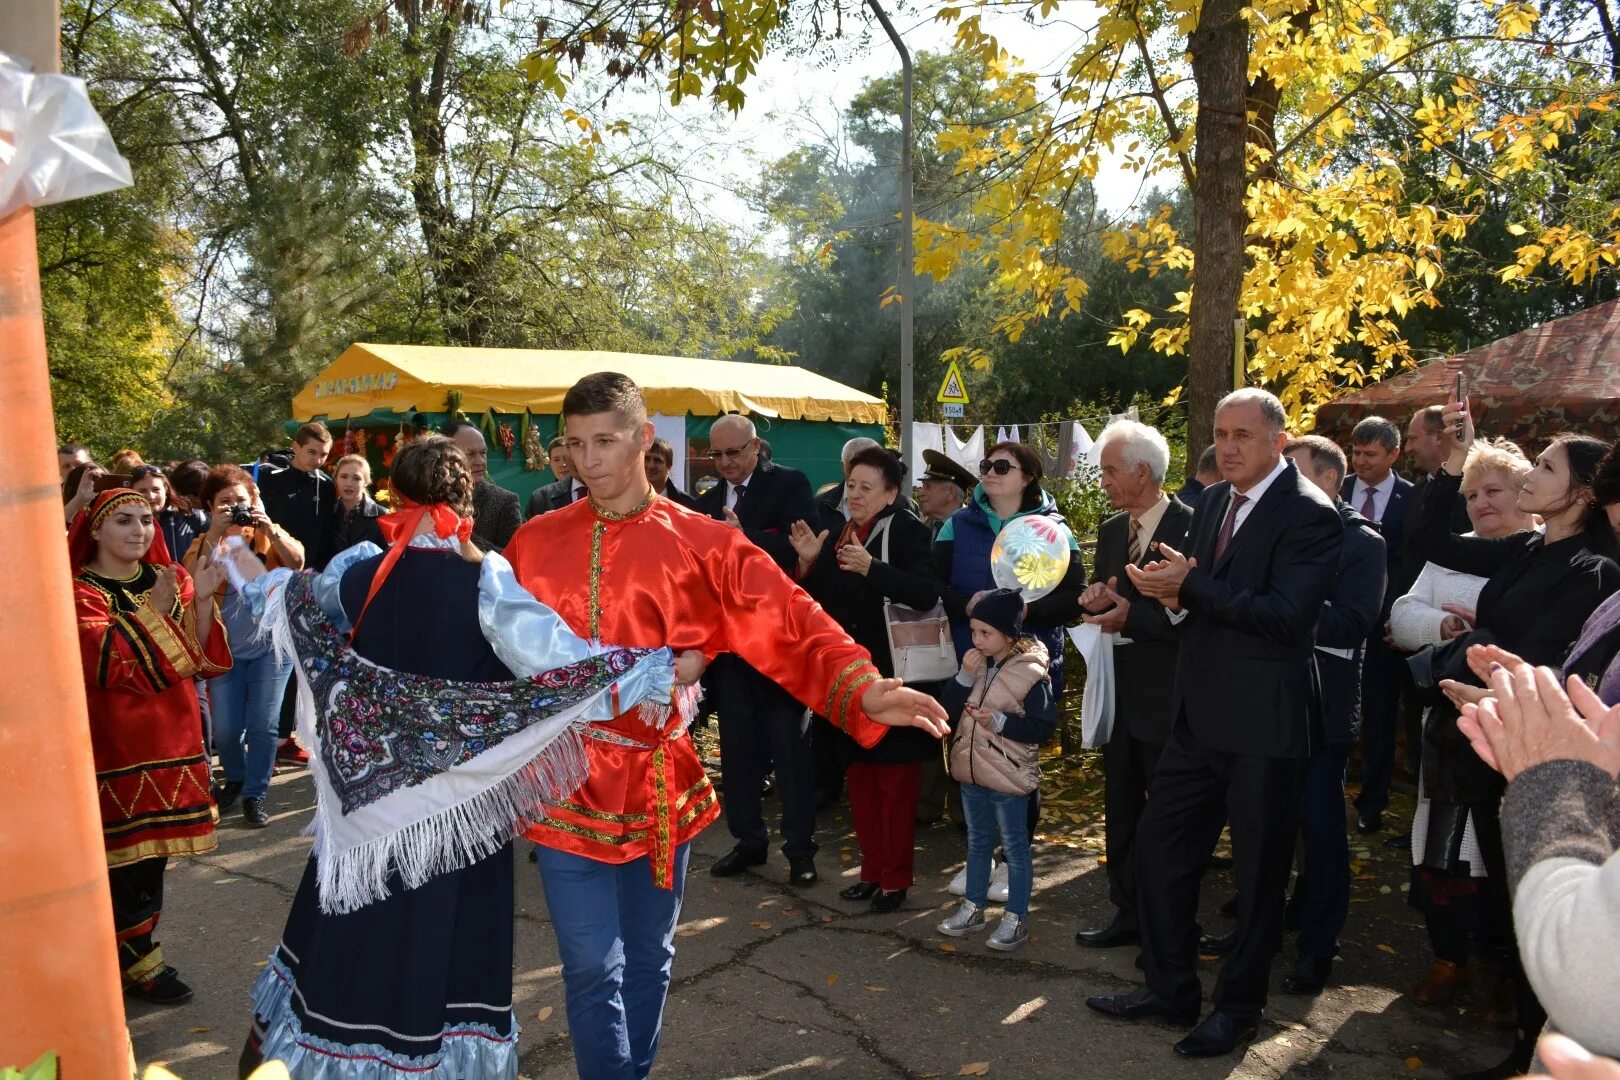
(60, 988)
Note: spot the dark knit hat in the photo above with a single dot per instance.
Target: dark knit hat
(1002, 609)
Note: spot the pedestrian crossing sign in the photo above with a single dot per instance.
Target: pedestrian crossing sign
(954, 389)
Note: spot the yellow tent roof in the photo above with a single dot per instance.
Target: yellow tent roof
(406, 378)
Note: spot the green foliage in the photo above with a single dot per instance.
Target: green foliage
(43, 1069)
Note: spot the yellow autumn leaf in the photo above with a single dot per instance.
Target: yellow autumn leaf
(976, 1068)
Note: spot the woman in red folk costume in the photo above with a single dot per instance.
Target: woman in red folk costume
(146, 630)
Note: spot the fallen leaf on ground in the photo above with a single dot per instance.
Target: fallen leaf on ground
(543, 1014)
(1414, 1063)
(832, 980)
(196, 1031)
(976, 1068)
(877, 989)
(1388, 948)
(761, 924)
(826, 918)
(946, 946)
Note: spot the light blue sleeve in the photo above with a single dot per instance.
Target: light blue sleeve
(529, 638)
(328, 584)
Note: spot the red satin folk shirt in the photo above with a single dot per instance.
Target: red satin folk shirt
(665, 575)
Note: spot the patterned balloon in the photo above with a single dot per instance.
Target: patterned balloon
(1031, 556)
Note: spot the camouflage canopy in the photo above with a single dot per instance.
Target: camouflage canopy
(1563, 375)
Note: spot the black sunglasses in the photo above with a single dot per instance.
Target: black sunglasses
(1000, 466)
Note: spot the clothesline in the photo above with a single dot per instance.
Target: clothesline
(1066, 447)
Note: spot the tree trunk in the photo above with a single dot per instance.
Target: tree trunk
(1220, 60)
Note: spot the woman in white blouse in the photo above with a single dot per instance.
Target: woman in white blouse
(1446, 862)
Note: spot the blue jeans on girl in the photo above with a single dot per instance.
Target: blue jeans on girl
(986, 812)
(245, 705)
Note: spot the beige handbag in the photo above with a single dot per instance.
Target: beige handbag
(919, 641)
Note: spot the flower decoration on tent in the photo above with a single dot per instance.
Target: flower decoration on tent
(504, 432)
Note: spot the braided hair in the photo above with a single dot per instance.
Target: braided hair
(432, 469)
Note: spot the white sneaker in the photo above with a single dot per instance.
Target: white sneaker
(968, 918)
(1009, 935)
(998, 884)
(958, 885)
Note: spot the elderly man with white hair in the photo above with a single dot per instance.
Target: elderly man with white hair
(1135, 458)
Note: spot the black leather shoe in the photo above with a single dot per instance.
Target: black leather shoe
(861, 890)
(1309, 977)
(226, 794)
(888, 901)
(736, 861)
(1368, 823)
(1116, 933)
(254, 814)
(1218, 944)
(164, 988)
(1139, 1004)
(801, 871)
(1219, 1034)
(1402, 842)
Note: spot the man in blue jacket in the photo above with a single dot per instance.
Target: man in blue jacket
(1322, 891)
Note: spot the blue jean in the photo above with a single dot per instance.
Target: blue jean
(986, 812)
(616, 935)
(245, 705)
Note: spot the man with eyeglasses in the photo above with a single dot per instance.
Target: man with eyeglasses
(761, 724)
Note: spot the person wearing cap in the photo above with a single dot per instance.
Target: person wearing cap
(1004, 710)
(945, 486)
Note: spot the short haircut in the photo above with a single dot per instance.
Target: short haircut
(314, 431)
(855, 446)
(1434, 418)
(1379, 430)
(1324, 453)
(1207, 462)
(886, 462)
(221, 477)
(661, 447)
(452, 426)
(607, 391)
(353, 459)
(126, 460)
(71, 448)
(1270, 408)
(739, 420)
(1028, 460)
(1495, 455)
(1139, 445)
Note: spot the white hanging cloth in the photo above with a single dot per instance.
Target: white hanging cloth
(1097, 704)
(673, 428)
(924, 437)
(966, 454)
(1079, 449)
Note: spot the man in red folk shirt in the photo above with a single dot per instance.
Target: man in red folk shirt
(630, 567)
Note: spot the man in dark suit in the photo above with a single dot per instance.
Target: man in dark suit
(1381, 497)
(496, 514)
(1134, 460)
(1205, 473)
(660, 461)
(761, 724)
(1263, 547)
(1322, 891)
(560, 492)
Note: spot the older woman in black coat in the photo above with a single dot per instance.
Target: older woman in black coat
(881, 553)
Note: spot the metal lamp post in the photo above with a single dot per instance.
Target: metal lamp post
(907, 254)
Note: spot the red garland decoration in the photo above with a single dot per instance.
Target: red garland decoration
(508, 439)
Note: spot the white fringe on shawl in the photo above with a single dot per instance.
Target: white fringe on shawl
(446, 823)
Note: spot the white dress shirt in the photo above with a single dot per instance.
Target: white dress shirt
(1255, 494)
(733, 491)
(1381, 493)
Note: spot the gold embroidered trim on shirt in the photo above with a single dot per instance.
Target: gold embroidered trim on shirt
(598, 530)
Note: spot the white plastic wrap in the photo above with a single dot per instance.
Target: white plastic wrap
(53, 145)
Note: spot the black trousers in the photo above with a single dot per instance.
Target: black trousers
(761, 727)
(1381, 681)
(1128, 767)
(137, 903)
(1322, 891)
(1194, 788)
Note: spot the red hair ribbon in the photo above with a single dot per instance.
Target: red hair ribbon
(399, 527)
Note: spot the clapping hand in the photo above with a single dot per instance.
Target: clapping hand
(855, 559)
(893, 704)
(1102, 595)
(208, 577)
(164, 590)
(807, 542)
(731, 517)
(1529, 720)
(1161, 580)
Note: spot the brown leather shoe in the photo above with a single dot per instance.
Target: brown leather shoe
(1441, 984)
(1503, 1011)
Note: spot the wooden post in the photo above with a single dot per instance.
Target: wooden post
(61, 988)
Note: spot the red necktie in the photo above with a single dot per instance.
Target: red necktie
(1228, 526)
(1368, 511)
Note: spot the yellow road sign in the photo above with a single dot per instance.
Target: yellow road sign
(954, 388)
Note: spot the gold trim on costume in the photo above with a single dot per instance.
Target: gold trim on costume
(832, 691)
(598, 530)
(613, 515)
(175, 847)
(593, 834)
(686, 795)
(661, 814)
(849, 693)
(170, 640)
(600, 815)
(144, 968)
(692, 815)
